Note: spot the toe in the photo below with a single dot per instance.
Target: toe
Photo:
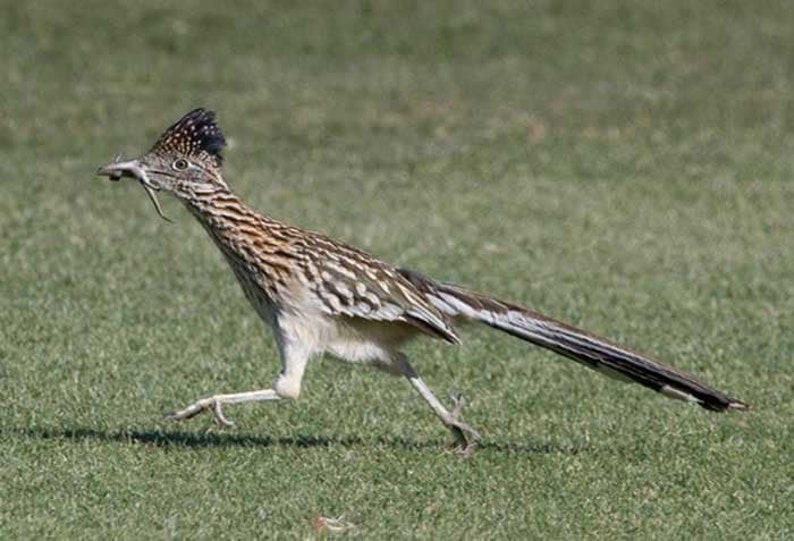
(219, 417)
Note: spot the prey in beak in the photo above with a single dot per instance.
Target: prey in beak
(116, 170)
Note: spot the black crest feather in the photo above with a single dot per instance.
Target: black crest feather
(196, 135)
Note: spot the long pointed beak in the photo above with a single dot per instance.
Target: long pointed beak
(115, 170)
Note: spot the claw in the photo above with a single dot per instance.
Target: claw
(219, 417)
(205, 404)
(466, 438)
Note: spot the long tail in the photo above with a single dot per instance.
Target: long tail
(597, 353)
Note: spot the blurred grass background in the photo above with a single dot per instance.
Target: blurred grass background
(625, 166)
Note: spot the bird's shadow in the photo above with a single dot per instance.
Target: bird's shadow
(207, 439)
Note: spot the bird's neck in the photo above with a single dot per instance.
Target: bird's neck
(222, 212)
(217, 207)
(247, 240)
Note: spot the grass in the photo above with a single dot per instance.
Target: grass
(623, 166)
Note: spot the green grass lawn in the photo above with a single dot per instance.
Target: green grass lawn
(625, 166)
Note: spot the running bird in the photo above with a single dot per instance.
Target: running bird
(323, 296)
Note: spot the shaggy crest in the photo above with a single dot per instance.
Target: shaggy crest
(195, 135)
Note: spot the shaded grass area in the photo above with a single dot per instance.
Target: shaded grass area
(623, 166)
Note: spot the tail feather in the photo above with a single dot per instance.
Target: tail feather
(596, 353)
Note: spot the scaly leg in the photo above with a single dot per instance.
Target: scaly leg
(465, 436)
(287, 385)
(214, 403)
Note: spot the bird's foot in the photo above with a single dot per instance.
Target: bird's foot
(466, 438)
(205, 404)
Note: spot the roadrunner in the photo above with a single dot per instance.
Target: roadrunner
(322, 296)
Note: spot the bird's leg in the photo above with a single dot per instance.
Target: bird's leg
(287, 385)
(465, 436)
(214, 404)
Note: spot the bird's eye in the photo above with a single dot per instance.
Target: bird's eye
(180, 164)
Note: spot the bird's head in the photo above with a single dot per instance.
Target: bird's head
(185, 161)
